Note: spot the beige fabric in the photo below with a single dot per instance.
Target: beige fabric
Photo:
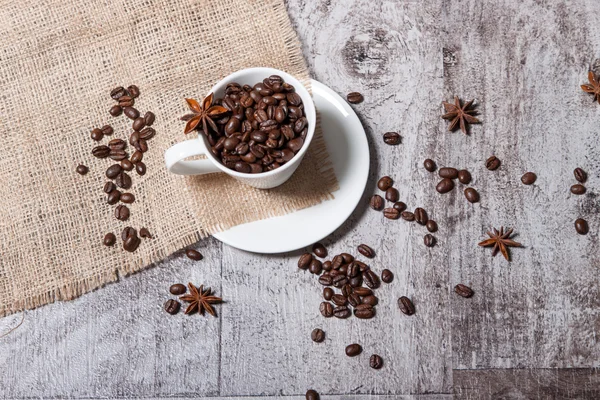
(58, 62)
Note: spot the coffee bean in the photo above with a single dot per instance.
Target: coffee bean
(107, 130)
(375, 361)
(385, 183)
(327, 266)
(376, 202)
(118, 155)
(147, 133)
(172, 306)
(122, 213)
(400, 206)
(127, 198)
(136, 157)
(101, 151)
(141, 145)
(337, 261)
(131, 243)
(406, 306)
(177, 289)
(115, 110)
(304, 260)
(356, 281)
(126, 101)
(126, 165)
(408, 216)
(347, 258)
(123, 180)
(352, 350)
(117, 92)
(82, 169)
(354, 98)
(581, 226)
(354, 299)
(149, 118)
(312, 395)
(429, 165)
(391, 138)
(445, 185)
(315, 266)
(431, 226)
(370, 300)
(113, 171)
(128, 231)
(463, 290)
(339, 300)
(371, 279)
(113, 197)
(319, 250)
(492, 163)
(96, 134)
(464, 176)
(339, 281)
(364, 311)
(117, 144)
(109, 239)
(472, 195)
(317, 335)
(392, 195)
(429, 240)
(328, 293)
(578, 189)
(387, 276)
(528, 178)
(138, 124)
(421, 216)
(109, 187)
(391, 213)
(133, 91)
(326, 280)
(326, 309)
(193, 255)
(366, 251)
(145, 233)
(580, 175)
(131, 112)
(140, 168)
(448, 172)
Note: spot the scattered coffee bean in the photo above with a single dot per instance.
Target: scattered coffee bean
(126, 101)
(328, 293)
(123, 180)
(117, 144)
(117, 92)
(431, 226)
(429, 240)
(370, 300)
(371, 279)
(149, 118)
(113, 197)
(101, 151)
(147, 133)
(375, 362)
(127, 198)
(326, 309)
(578, 189)
(392, 195)
(406, 306)
(136, 157)
(126, 165)
(354, 97)
(528, 178)
(118, 155)
(472, 195)
(352, 350)
(429, 165)
(364, 311)
(96, 134)
(366, 251)
(133, 91)
(193, 255)
(463, 290)
(391, 213)
(385, 183)
(400, 206)
(109, 187)
(109, 239)
(138, 124)
(128, 231)
(580, 175)
(113, 171)
(304, 261)
(339, 300)
(354, 299)
(145, 233)
(408, 216)
(492, 163)
(326, 280)
(140, 168)
(131, 243)
(464, 177)
(177, 289)
(376, 202)
(421, 216)
(315, 266)
(131, 112)
(581, 226)
(312, 395)
(445, 185)
(448, 172)
(319, 250)
(363, 291)
(115, 110)
(172, 306)
(391, 138)
(107, 130)
(317, 335)
(387, 276)
(339, 281)
(122, 213)
(82, 169)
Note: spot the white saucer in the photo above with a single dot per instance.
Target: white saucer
(349, 152)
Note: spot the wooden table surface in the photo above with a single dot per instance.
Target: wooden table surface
(530, 331)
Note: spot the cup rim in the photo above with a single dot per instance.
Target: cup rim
(306, 99)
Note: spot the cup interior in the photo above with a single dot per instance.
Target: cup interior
(251, 76)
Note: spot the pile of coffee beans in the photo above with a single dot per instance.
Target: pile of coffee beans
(263, 129)
(448, 175)
(399, 208)
(581, 225)
(117, 173)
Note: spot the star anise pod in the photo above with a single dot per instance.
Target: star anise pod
(500, 240)
(593, 87)
(200, 299)
(459, 115)
(205, 113)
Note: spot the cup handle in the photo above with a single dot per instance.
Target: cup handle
(175, 159)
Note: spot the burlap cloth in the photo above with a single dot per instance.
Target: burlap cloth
(58, 62)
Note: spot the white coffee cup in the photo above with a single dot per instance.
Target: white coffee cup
(175, 156)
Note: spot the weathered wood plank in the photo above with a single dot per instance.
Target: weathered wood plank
(531, 384)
